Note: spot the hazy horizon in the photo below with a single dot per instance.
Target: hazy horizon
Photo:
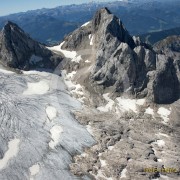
(9, 7)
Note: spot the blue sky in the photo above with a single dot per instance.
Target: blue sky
(13, 6)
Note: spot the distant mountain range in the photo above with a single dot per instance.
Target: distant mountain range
(138, 16)
(154, 37)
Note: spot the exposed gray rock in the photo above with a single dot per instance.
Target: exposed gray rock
(165, 84)
(172, 43)
(129, 143)
(18, 50)
(122, 64)
(107, 26)
(78, 39)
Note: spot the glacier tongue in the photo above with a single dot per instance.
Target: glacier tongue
(24, 116)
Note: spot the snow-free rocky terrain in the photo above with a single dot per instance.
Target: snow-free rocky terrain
(109, 110)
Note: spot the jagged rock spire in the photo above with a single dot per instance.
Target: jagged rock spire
(18, 50)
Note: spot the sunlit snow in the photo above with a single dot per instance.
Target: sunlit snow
(13, 149)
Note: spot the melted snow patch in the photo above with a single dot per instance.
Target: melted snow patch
(164, 113)
(159, 160)
(68, 54)
(91, 40)
(162, 134)
(101, 175)
(123, 173)
(149, 111)
(87, 61)
(34, 170)
(71, 75)
(164, 177)
(73, 88)
(90, 36)
(45, 74)
(160, 143)
(103, 163)
(40, 87)
(89, 129)
(76, 59)
(55, 135)
(85, 24)
(111, 148)
(78, 89)
(129, 104)
(4, 71)
(13, 150)
(51, 112)
(84, 154)
(108, 106)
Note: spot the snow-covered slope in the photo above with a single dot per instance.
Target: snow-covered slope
(39, 133)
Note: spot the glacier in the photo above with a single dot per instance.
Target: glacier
(27, 132)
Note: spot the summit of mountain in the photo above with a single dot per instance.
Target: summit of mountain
(119, 63)
(19, 50)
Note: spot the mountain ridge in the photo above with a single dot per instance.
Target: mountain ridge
(63, 20)
(116, 56)
(18, 50)
(107, 116)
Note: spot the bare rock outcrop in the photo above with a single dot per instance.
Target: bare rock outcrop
(18, 50)
(123, 64)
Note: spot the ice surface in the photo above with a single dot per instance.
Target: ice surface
(25, 133)
(164, 113)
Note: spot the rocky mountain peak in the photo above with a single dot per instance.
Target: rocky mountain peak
(18, 50)
(99, 17)
(120, 64)
(10, 25)
(107, 24)
(11, 29)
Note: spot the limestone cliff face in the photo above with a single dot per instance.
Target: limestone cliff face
(18, 50)
(118, 62)
(124, 63)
